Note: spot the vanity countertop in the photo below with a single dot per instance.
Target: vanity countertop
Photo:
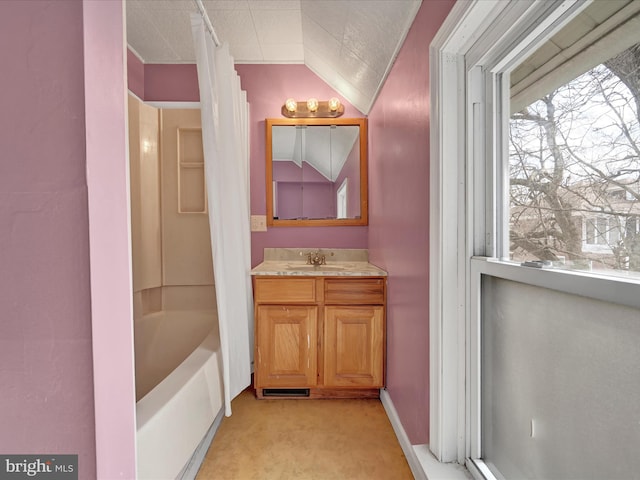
(339, 262)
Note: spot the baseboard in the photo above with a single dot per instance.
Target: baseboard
(423, 465)
(403, 439)
(190, 470)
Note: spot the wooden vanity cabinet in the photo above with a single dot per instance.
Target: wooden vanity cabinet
(319, 336)
(288, 343)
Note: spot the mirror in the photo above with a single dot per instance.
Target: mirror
(316, 171)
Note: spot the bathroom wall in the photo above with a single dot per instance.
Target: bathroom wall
(398, 235)
(107, 172)
(46, 370)
(175, 82)
(146, 245)
(135, 74)
(171, 247)
(187, 268)
(162, 82)
(267, 87)
(315, 201)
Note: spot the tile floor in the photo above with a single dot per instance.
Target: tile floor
(305, 439)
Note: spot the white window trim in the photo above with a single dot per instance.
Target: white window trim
(451, 417)
(459, 182)
(447, 302)
(595, 247)
(341, 199)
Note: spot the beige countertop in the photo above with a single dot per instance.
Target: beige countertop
(339, 262)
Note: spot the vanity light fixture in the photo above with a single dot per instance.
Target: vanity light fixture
(312, 104)
(312, 108)
(290, 105)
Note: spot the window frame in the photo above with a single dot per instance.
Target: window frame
(341, 199)
(594, 238)
(470, 58)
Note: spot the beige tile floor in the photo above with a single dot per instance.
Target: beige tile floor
(305, 439)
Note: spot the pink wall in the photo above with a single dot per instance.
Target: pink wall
(398, 217)
(46, 380)
(135, 74)
(312, 198)
(311, 201)
(176, 83)
(267, 87)
(397, 236)
(109, 237)
(287, 171)
(46, 300)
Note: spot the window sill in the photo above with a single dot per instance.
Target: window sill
(622, 290)
(434, 470)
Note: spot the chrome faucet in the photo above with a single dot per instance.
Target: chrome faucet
(315, 258)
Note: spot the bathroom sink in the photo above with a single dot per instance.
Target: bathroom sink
(294, 262)
(303, 267)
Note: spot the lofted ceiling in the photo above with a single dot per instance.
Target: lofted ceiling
(350, 44)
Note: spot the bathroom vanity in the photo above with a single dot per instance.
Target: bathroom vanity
(319, 329)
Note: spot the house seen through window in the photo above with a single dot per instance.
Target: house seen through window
(574, 167)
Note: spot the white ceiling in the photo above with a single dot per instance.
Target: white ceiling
(350, 44)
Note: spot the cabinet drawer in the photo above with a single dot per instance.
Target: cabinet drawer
(354, 291)
(290, 290)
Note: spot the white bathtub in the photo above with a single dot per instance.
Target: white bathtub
(178, 375)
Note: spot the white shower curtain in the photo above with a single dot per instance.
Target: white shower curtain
(225, 136)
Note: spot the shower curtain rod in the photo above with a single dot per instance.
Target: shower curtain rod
(207, 22)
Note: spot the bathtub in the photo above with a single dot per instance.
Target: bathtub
(179, 382)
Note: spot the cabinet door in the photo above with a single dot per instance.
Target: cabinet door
(286, 346)
(354, 346)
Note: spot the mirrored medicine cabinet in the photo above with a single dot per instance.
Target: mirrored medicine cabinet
(316, 171)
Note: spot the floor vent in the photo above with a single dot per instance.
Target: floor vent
(285, 392)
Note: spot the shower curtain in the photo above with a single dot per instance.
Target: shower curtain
(224, 111)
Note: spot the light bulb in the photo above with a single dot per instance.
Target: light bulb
(312, 104)
(291, 105)
(334, 104)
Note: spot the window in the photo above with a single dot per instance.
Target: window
(632, 226)
(500, 56)
(574, 169)
(341, 200)
(617, 194)
(603, 235)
